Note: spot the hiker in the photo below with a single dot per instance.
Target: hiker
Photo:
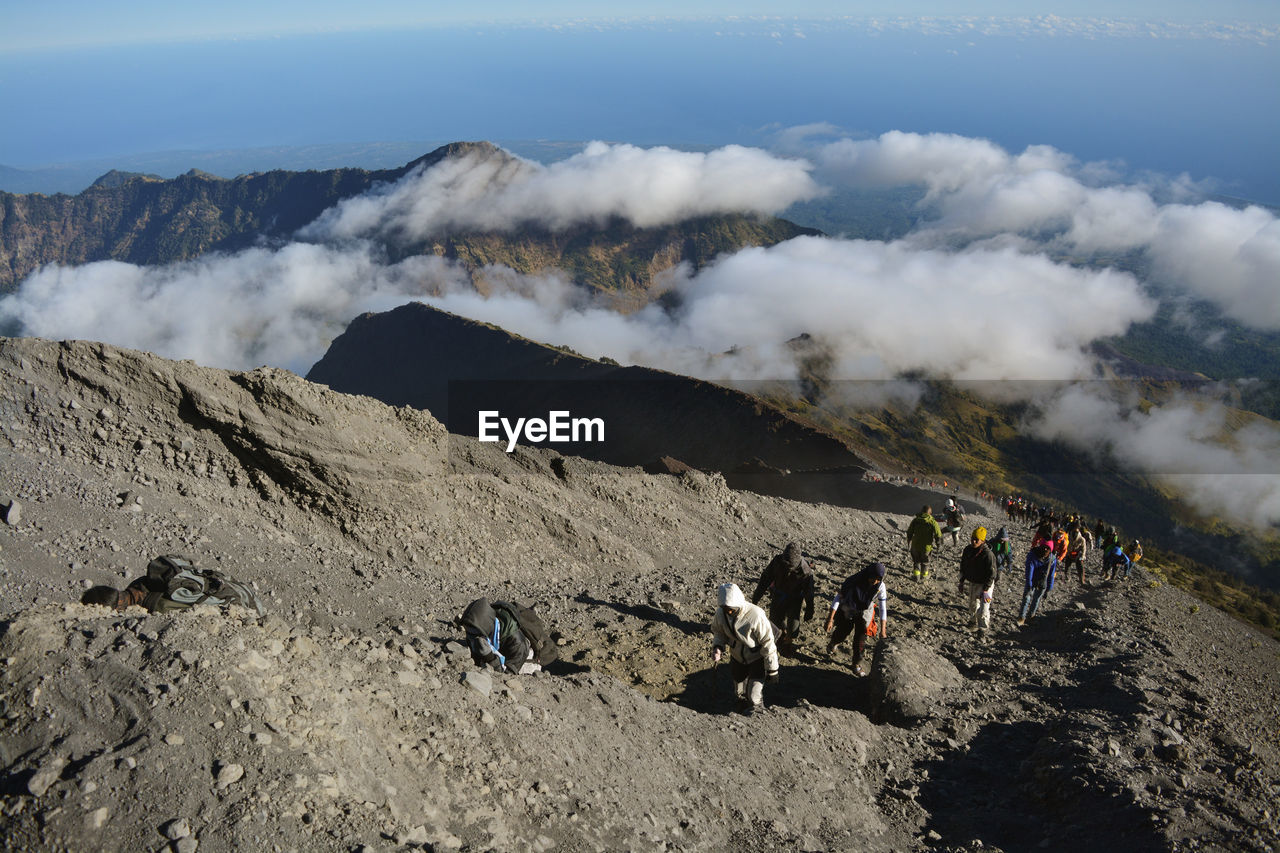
(1114, 560)
(955, 520)
(1133, 552)
(506, 637)
(1041, 567)
(1061, 542)
(173, 582)
(1002, 548)
(746, 633)
(977, 580)
(790, 578)
(1077, 550)
(923, 534)
(854, 608)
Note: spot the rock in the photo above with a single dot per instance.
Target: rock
(176, 829)
(227, 774)
(10, 511)
(48, 773)
(907, 679)
(185, 845)
(479, 681)
(96, 818)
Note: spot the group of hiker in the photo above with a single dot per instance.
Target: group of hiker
(754, 640)
(513, 639)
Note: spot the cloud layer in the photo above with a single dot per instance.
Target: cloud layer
(976, 190)
(978, 292)
(278, 307)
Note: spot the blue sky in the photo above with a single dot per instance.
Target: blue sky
(1145, 83)
(39, 24)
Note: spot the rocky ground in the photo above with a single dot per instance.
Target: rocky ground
(1126, 716)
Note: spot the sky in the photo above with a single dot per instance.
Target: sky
(43, 24)
(1152, 85)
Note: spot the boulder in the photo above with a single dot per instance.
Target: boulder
(908, 680)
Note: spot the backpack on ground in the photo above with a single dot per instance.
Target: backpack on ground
(534, 630)
(179, 585)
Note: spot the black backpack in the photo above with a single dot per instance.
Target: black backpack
(534, 630)
(177, 584)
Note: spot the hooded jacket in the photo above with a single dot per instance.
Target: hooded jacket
(749, 636)
(857, 594)
(1042, 564)
(923, 532)
(494, 636)
(791, 577)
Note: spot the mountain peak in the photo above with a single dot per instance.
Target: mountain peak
(117, 178)
(459, 149)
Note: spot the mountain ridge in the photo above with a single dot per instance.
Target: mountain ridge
(152, 222)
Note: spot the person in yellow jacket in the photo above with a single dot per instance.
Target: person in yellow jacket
(743, 631)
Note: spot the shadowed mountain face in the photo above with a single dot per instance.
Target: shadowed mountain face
(456, 368)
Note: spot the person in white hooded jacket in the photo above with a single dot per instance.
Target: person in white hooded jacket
(744, 630)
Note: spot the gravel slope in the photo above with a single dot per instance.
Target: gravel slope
(1127, 716)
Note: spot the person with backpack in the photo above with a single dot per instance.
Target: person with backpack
(506, 637)
(854, 608)
(1077, 550)
(1042, 564)
(173, 582)
(789, 577)
(1002, 548)
(1115, 560)
(955, 520)
(923, 534)
(977, 580)
(742, 629)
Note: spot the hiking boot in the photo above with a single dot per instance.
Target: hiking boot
(1021, 622)
(752, 709)
(744, 706)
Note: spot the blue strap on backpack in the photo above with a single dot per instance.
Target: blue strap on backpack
(502, 661)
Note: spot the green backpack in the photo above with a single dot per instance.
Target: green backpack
(534, 630)
(177, 584)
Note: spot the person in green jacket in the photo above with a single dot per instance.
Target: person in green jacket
(923, 534)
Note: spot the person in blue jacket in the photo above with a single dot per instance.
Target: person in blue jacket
(1042, 564)
(1116, 561)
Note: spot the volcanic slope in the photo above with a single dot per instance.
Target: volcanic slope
(1126, 716)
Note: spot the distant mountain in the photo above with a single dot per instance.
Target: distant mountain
(143, 220)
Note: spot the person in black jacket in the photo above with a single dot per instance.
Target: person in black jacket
(978, 579)
(854, 608)
(790, 579)
(495, 638)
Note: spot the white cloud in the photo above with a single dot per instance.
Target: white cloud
(978, 191)
(1186, 444)
(644, 186)
(278, 307)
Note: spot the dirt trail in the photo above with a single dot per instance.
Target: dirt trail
(1127, 716)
